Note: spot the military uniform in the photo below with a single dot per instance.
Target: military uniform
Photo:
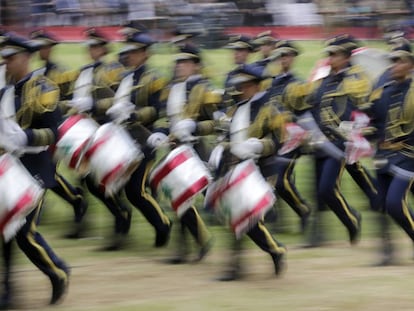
(137, 105)
(242, 47)
(54, 72)
(93, 95)
(192, 100)
(284, 170)
(266, 42)
(37, 118)
(331, 101)
(392, 115)
(257, 128)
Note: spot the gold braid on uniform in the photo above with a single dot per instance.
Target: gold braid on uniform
(147, 85)
(356, 85)
(295, 95)
(110, 75)
(406, 122)
(40, 95)
(199, 104)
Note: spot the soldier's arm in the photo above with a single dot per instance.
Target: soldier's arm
(45, 108)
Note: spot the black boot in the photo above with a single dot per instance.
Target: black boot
(279, 263)
(59, 289)
(234, 271)
(386, 247)
(182, 248)
(316, 234)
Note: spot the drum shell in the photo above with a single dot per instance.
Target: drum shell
(181, 176)
(20, 193)
(243, 194)
(111, 157)
(73, 136)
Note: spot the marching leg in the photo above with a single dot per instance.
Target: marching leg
(120, 211)
(5, 299)
(234, 271)
(75, 197)
(386, 246)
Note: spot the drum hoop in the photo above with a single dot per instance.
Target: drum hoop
(21, 205)
(177, 160)
(198, 186)
(68, 124)
(260, 206)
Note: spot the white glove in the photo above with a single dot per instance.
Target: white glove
(184, 129)
(360, 119)
(358, 147)
(295, 135)
(248, 149)
(14, 133)
(120, 111)
(156, 139)
(215, 157)
(82, 104)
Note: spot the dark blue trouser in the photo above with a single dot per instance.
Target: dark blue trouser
(392, 197)
(114, 204)
(287, 190)
(365, 181)
(328, 176)
(38, 251)
(139, 196)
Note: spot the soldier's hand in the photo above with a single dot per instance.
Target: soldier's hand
(82, 104)
(120, 111)
(248, 149)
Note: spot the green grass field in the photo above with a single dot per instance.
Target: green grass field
(335, 277)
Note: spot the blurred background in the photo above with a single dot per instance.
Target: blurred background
(214, 18)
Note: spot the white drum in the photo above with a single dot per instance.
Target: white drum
(20, 193)
(181, 175)
(74, 134)
(111, 156)
(243, 194)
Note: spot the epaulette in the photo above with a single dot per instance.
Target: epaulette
(157, 83)
(376, 94)
(42, 93)
(212, 97)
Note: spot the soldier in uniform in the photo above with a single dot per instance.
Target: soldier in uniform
(242, 48)
(190, 105)
(392, 116)
(94, 96)
(285, 51)
(255, 132)
(266, 43)
(33, 128)
(73, 195)
(136, 105)
(329, 101)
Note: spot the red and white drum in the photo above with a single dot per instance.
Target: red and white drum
(16, 202)
(74, 134)
(243, 194)
(111, 156)
(181, 175)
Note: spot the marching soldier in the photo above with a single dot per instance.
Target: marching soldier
(190, 105)
(73, 195)
(136, 105)
(255, 132)
(32, 129)
(242, 48)
(286, 52)
(392, 116)
(332, 100)
(93, 90)
(266, 43)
